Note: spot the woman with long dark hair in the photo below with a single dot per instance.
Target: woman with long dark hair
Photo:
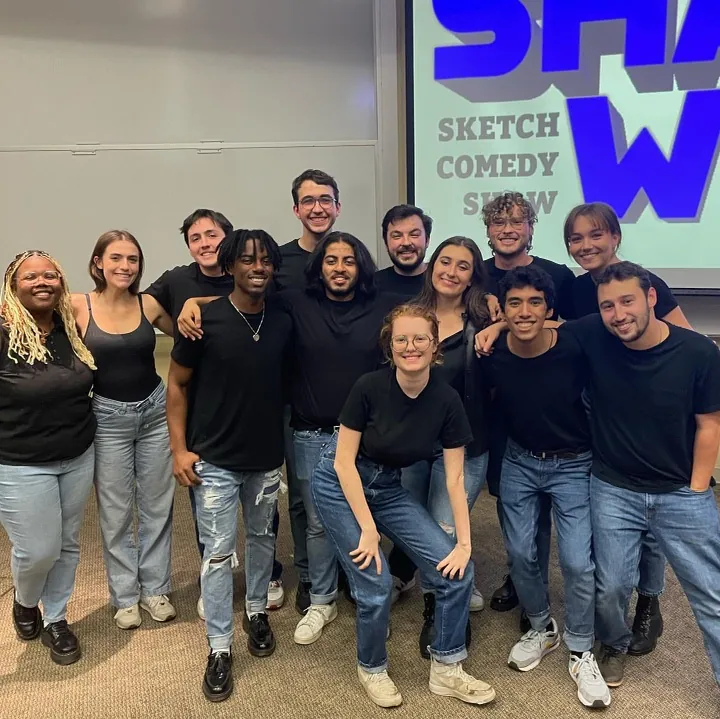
(455, 292)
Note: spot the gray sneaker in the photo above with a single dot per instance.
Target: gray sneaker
(612, 665)
(532, 647)
(592, 691)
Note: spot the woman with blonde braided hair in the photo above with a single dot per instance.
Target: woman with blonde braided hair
(47, 455)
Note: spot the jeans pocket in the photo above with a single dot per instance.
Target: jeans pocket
(687, 489)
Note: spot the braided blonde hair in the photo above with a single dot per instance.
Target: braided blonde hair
(26, 340)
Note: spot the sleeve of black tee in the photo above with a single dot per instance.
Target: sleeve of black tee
(565, 300)
(354, 414)
(706, 396)
(187, 352)
(160, 290)
(666, 301)
(456, 431)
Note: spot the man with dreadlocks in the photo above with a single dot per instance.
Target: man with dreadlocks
(225, 415)
(47, 456)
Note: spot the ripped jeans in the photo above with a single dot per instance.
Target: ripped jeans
(217, 509)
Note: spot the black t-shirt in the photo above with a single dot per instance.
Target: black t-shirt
(291, 275)
(404, 286)
(235, 399)
(586, 301)
(174, 287)
(45, 409)
(397, 430)
(334, 343)
(541, 397)
(644, 404)
(562, 277)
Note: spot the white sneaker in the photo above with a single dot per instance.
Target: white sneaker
(477, 602)
(310, 627)
(201, 608)
(128, 618)
(399, 587)
(276, 594)
(451, 680)
(158, 607)
(380, 688)
(592, 690)
(532, 647)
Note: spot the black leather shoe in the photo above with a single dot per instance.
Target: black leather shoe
(427, 633)
(525, 625)
(261, 640)
(505, 597)
(302, 597)
(27, 621)
(647, 626)
(63, 644)
(218, 680)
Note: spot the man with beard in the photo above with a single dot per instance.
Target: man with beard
(406, 232)
(316, 203)
(336, 324)
(225, 417)
(655, 428)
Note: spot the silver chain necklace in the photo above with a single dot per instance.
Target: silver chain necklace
(255, 333)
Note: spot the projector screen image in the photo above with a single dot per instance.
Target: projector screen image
(571, 101)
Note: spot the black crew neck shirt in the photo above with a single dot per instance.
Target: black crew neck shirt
(45, 409)
(562, 277)
(291, 274)
(174, 287)
(541, 397)
(334, 343)
(235, 398)
(397, 430)
(586, 301)
(406, 287)
(644, 404)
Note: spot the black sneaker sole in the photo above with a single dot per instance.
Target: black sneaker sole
(29, 637)
(214, 696)
(503, 606)
(266, 652)
(61, 659)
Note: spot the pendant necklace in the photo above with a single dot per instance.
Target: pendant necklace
(255, 333)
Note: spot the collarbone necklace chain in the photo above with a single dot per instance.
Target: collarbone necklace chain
(255, 333)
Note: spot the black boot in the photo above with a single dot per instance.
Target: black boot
(504, 597)
(427, 633)
(218, 679)
(63, 644)
(27, 621)
(647, 626)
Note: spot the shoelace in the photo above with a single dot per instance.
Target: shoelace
(383, 681)
(587, 668)
(314, 617)
(532, 639)
(158, 601)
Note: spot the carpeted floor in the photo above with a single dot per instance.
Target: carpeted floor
(156, 670)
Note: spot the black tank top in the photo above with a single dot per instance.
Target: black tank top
(125, 363)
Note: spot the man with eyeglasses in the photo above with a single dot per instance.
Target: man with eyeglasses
(510, 220)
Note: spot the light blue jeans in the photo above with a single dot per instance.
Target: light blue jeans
(687, 528)
(322, 565)
(41, 509)
(133, 473)
(426, 483)
(217, 500)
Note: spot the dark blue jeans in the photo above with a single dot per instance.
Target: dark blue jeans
(687, 528)
(527, 483)
(407, 523)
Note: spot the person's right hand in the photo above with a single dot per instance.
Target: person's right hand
(485, 339)
(368, 549)
(183, 468)
(189, 320)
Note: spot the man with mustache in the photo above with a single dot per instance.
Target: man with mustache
(225, 417)
(336, 323)
(406, 231)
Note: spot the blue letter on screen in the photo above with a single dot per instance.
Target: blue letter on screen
(645, 27)
(508, 19)
(699, 39)
(675, 187)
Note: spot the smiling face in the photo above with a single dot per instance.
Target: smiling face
(406, 243)
(317, 208)
(412, 344)
(38, 285)
(253, 270)
(592, 246)
(119, 264)
(452, 271)
(203, 238)
(339, 271)
(625, 308)
(525, 312)
(509, 233)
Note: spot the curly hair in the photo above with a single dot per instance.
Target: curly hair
(503, 204)
(26, 341)
(410, 310)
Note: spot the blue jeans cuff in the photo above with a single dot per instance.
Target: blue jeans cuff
(539, 621)
(373, 670)
(221, 643)
(578, 642)
(323, 598)
(451, 656)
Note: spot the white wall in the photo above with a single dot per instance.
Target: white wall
(184, 104)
